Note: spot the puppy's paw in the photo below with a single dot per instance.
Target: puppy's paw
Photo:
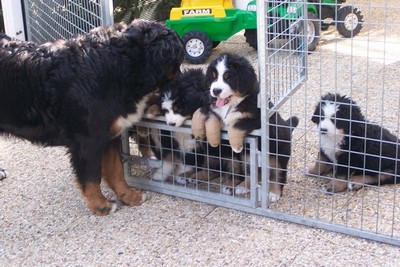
(241, 190)
(236, 139)
(237, 149)
(181, 180)
(198, 125)
(273, 197)
(3, 174)
(334, 186)
(226, 190)
(159, 176)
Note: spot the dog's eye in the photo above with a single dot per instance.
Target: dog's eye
(214, 74)
(227, 76)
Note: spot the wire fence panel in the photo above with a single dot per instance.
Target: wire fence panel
(49, 20)
(345, 150)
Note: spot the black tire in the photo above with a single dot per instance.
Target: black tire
(198, 47)
(251, 37)
(313, 31)
(349, 21)
(215, 43)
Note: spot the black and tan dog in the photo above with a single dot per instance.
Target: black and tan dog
(234, 89)
(357, 151)
(81, 93)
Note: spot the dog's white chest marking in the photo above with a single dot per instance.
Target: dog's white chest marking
(331, 137)
(128, 121)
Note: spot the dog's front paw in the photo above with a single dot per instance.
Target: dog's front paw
(335, 186)
(133, 197)
(241, 190)
(213, 130)
(226, 190)
(182, 180)
(236, 139)
(198, 124)
(3, 174)
(273, 197)
(103, 207)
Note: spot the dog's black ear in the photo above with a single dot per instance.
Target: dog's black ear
(316, 117)
(293, 122)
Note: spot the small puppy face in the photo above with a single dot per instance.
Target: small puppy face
(327, 123)
(220, 87)
(173, 114)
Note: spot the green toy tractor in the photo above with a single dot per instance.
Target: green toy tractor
(203, 24)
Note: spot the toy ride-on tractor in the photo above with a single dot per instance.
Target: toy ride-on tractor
(347, 18)
(203, 24)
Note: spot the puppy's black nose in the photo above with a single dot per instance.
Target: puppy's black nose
(323, 130)
(172, 124)
(217, 91)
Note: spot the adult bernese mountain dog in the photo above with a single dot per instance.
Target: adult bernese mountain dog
(82, 92)
(357, 151)
(233, 89)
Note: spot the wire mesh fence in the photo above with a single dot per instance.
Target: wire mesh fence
(50, 20)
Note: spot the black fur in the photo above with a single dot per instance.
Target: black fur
(242, 81)
(71, 92)
(367, 149)
(180, 98)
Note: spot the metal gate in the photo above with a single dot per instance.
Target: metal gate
(48, 20)
(358, 56)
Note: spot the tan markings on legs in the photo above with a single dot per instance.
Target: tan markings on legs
(358, 181)
(236, 138)
(336, 185)
(113, 174)
(198, 125)
(204, 175)
(213, 130)
(96, 201)
(321, 166)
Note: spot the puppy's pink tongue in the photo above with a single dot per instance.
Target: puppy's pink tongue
(220, 102)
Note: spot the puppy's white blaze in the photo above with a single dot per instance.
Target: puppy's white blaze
(173, 118)
(167, 104)
(333, 138)
(220, 83)
(128, 121)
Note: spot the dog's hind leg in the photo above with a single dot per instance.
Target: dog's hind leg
(113, 174)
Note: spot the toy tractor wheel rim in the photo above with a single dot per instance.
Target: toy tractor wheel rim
(351, 21)
(310, 31)
(195, 47)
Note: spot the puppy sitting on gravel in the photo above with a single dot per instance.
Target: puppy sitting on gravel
(357, 151)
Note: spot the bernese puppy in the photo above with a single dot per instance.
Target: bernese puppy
(83, 92)
(357, 151)
(179, 151)
(233, 89)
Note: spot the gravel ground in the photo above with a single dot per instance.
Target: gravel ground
(44, 221)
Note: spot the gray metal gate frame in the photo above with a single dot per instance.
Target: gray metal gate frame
(48, 20)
